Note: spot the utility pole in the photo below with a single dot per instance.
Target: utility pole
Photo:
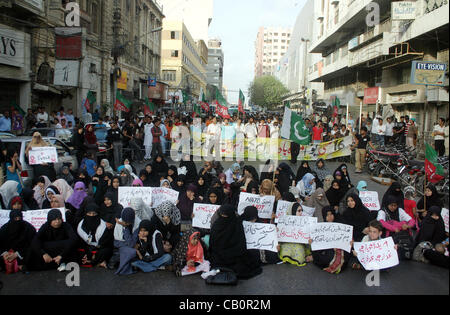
(117, 49)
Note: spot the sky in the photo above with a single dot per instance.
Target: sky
(236, 23)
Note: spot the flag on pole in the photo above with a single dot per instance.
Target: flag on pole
(197, 110)
(241, 102)
(149, 108)
(90, 100)
(17, 107)
(122, 104)
(336, 102)
(203, 102)
(294, 128)
(433, 169)
(288, 104)
(222, 105)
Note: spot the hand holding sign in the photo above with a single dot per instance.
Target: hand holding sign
(377, 255)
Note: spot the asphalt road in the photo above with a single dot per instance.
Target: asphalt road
(407, 278)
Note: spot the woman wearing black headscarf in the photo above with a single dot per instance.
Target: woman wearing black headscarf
(433, 227)
(345, 174)
(100, 182)
(284, 178)
(180, 184)
(214, 196)
(97, 240)
(186, 202)
(83, 176)
(114, 188)
(152, 178)
(49, 192)
(395, 190)
(228, 247)
(356, 215)
(160, 166)
(54, 245)
(191, 175)
(15, 239)
(343, 183)
(172, 174)
(430, 199)
(303, 169)
(202, 187)
(110, 209)
(335, 195)
(27, 195)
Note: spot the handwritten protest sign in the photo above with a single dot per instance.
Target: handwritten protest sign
(203, 214)
(4, 217)
(308, 211)
(36, 218)
(331, 235)
(264, 204)
(370, 200)
(261, 236)
(377, 255)
(444, 215)
(282, 207)
(295, 229)
(128, 193)
(161, 194)
(43, 155)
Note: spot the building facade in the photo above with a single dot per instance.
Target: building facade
(62, 64)
(214, 69)
(184, 60)
(270, 46)
(365, 53)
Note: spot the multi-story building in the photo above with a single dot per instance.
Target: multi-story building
(50, 73)
(361, 56)
(197, 15)
(183, 59)
(292, 69)
(270, 46)
(214, 69)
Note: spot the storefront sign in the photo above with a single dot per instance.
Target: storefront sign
(428, 73)
(122, 81)
(12, 47)
(404, 10)
(66, 72)
(371, 95)
(68, 43)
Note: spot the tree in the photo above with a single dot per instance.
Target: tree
(267, 91)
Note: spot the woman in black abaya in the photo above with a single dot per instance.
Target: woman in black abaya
(228, 247)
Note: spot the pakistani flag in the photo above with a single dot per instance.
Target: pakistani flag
(90, 100)
(294, 128)
(336, 102)
(122, 104)
(287, 104)
(434, 170)
(197, 110)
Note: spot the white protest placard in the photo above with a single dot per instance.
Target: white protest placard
(43, 155)
(38, 218)
(261, 236)
(282, 207)
(161, 194)
(370, 200)
(308, 211)
(444, 215)
(295, 229)
(377, 255)
(4, 217)
(328, 235)
(264, 204)
(126, 194)
(203, 214)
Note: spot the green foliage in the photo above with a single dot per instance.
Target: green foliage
(267, 91)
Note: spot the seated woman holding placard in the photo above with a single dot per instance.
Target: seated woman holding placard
(331, 260)
(294, 253)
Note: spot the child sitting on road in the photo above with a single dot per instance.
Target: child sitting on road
(375, 232)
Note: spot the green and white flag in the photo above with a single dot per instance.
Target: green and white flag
(294, 128)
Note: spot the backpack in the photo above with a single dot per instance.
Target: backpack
(405, 245)
(419, 250)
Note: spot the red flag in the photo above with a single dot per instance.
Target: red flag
(205, 106)
(222, 111)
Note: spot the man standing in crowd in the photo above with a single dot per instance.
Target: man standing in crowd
(115, 143)
(439, 137)
(389, 131)
(156, 144)
(361, 142)
(411, 137)
(42, 118)
(30, 120)
(5, 122)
